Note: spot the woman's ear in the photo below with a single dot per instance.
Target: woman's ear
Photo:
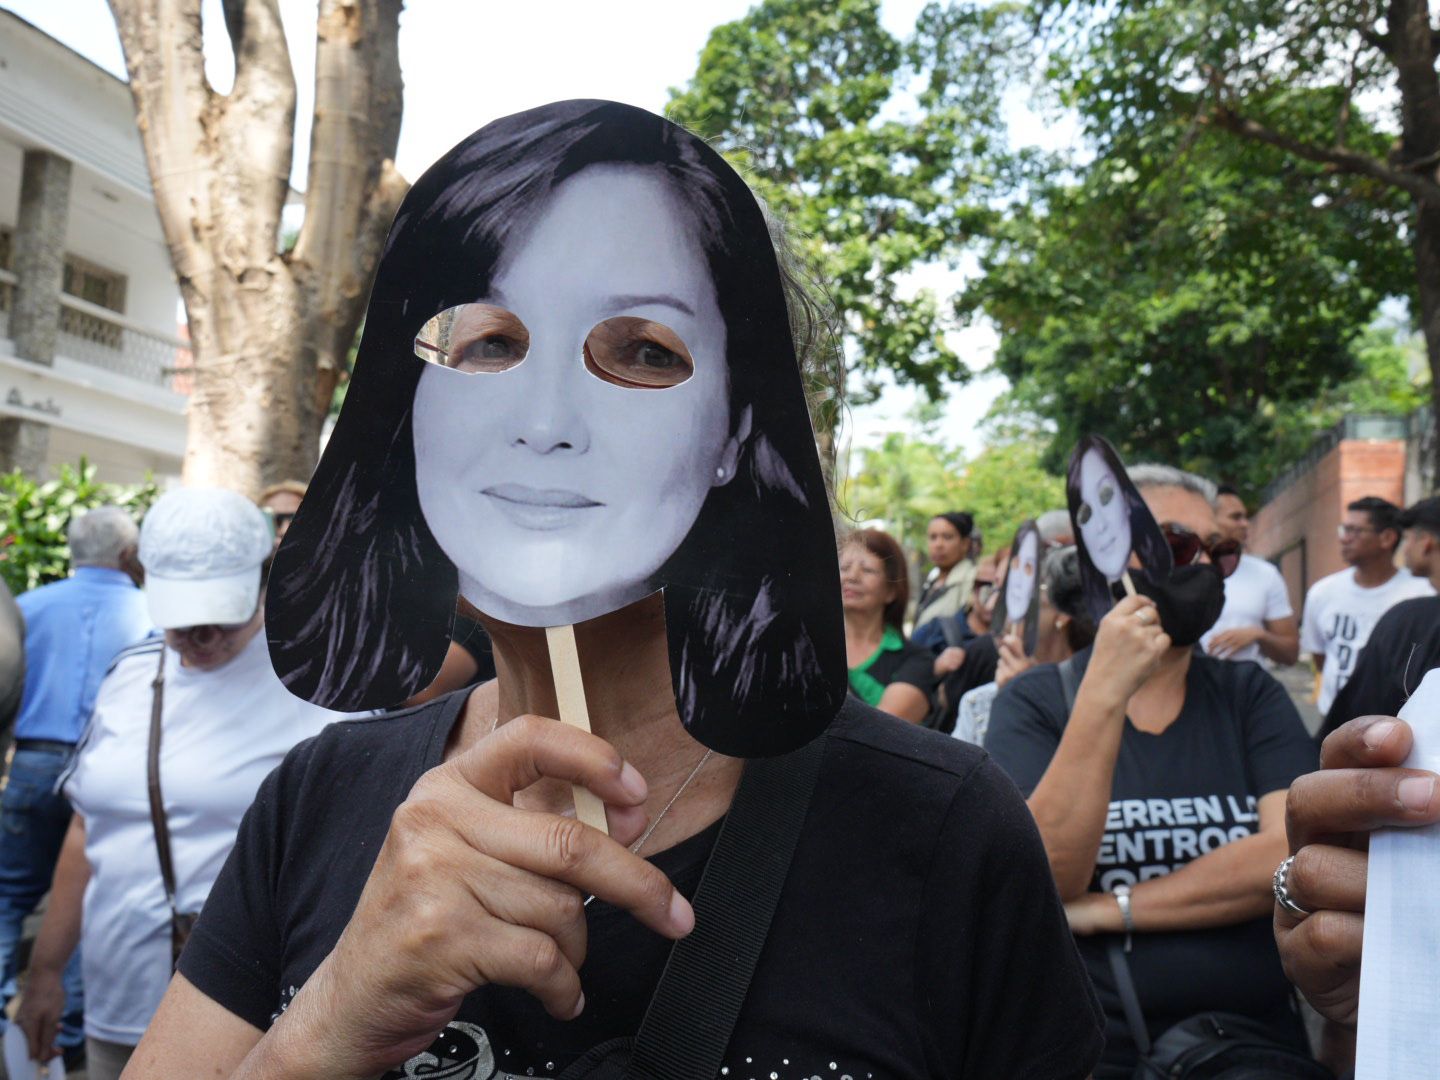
(730, 455)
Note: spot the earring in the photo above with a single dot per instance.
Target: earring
(720, 473)
(1059, 625)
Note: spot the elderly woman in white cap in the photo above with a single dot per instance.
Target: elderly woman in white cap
(183, 732)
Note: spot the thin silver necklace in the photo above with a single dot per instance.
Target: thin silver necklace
(649, 831)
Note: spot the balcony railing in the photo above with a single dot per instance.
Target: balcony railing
(106, 339)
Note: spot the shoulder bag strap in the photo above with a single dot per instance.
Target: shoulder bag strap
(152, 777)
(692, 1015)
(1069, 684)
(1129, 998)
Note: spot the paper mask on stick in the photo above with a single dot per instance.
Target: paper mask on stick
(1019, 604)
(577, 386)
(1111, 523)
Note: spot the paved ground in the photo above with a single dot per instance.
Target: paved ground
(1299, 681)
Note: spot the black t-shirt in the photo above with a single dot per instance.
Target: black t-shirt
(1404, 645)
(908, 664)
(1176, 795)
(982, 657)
(918, 934)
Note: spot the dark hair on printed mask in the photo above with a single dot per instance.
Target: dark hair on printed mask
(1149, 542)
(363, 596)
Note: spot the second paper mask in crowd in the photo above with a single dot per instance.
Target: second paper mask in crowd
(576, 387)
(1019, 603)
(1112, 524)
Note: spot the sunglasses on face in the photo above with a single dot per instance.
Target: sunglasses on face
(1186, 547)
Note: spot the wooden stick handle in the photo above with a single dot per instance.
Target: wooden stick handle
(570, 696)
(1129, 585)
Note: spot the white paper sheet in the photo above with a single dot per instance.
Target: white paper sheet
(1399, 1036)
(19, 1065)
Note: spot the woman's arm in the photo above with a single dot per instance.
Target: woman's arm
(186, 1016)
(1229, 885)
(43, 1002)
(905, 701)
(1071, 800)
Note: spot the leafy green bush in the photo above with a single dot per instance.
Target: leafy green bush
(34, 518)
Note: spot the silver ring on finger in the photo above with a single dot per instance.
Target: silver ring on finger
(1282, 891)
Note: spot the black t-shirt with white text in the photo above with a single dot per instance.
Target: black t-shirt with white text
(1404, 645)
(1175, 796)
(918, 933)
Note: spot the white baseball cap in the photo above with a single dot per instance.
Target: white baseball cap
(202, 549)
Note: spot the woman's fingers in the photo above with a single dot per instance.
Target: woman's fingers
(531, 748)
(1365, 743)
(1333, 802)
(532, 961)
(523, 898)
(565, 850)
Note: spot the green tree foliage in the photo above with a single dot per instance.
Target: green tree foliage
(900, 485)
(1005, 484)
(36, 516)
(906, 480)
(1189, 296)
(1342, 96)
(877, 153)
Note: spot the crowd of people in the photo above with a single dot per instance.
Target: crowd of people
(1037, 839)
(1156, 756)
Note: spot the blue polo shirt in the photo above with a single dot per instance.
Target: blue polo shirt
(73, 629)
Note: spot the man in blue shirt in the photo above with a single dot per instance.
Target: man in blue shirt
(73, 629)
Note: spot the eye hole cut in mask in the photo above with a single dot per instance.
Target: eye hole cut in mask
(625, 351)
(474, 338)
(1106, 494)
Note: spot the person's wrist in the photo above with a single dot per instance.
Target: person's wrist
(303, 1045)
(1103, 692)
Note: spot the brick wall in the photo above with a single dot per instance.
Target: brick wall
(1296, 529)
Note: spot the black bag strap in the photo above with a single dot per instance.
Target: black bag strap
(950, 628)
(158, 820)
(1069, 683)
(692, 1014)
(1129, 998)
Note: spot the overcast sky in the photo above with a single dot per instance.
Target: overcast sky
(467, 63)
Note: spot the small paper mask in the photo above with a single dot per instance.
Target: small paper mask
(1111, 522)
(1020, 598)
(577, 386)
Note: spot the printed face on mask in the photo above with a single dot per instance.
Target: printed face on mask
(1103, 517)
(1020, 581)
(578, 416)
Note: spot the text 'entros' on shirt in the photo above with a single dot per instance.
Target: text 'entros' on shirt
(1175, 796)
(918, 935)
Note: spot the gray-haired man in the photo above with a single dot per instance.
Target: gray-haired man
(73, 629)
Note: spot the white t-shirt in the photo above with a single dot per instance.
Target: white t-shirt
(222, 733)
(1339, 616)
(1254, 595)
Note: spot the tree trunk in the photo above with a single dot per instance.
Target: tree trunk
(269, 329)
(1414, 57)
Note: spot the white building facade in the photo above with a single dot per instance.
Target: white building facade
(92, 357)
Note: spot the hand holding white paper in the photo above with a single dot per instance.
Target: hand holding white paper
(18, 1064)
(1400, 965)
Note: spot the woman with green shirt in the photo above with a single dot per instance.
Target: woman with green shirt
(886, 671)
